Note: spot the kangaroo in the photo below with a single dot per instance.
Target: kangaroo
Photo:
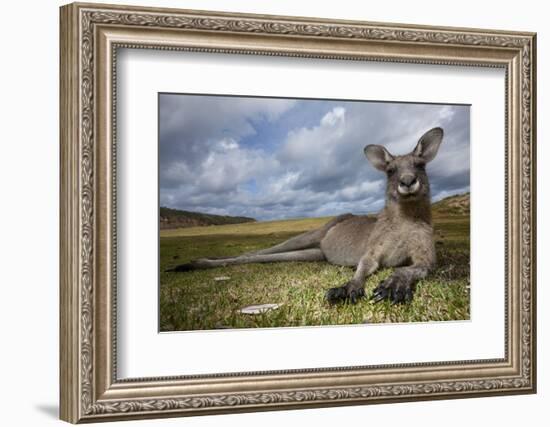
(400, 236)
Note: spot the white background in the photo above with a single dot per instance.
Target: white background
(143, 352)
(29, 219)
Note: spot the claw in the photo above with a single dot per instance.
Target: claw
(343, 293)
(356, 294)
(397, 297)
(379, 294)
(390, 290)
(408, 295)
(377, 299)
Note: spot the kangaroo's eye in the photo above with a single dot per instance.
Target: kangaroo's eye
(390, 170)
(420, 163)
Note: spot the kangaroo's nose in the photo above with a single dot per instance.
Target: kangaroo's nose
(407, 180)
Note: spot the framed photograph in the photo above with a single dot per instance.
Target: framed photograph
(266, 212)
(251, 201)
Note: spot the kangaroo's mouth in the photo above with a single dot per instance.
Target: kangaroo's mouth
(408, 191)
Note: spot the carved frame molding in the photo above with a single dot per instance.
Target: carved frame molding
(90, 36)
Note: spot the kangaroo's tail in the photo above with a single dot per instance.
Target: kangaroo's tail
(190, 266)
(199, 264)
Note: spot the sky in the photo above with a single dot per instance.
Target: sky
(276, 158)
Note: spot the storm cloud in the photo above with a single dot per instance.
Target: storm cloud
(271, 158)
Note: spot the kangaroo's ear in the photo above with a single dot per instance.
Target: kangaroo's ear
(428, 144)
(378, 156)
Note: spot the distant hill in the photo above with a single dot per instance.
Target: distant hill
(454, 205)
(175, 218)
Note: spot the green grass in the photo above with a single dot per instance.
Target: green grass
(194, 300)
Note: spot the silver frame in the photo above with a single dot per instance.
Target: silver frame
(90, 37)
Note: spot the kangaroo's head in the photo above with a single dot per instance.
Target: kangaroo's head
(407, 178)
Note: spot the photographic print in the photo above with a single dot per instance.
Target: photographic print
(278, 212)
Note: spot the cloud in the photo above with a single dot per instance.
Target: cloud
(279, 158)
(194, 126)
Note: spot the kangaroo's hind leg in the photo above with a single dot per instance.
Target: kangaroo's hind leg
(309, 239)
(304, 247)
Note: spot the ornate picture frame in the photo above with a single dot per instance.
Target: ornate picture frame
(90, 37)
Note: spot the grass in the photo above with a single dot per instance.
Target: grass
(292, 226)
(196, 301)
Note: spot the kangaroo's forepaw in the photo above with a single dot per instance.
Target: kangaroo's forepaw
(394, 289)
(345, 293)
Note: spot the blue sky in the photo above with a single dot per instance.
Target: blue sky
(272, 158)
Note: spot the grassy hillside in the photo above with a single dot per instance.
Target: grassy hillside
(200, 300)
(175, 218)
(255, 228)
(454, 205)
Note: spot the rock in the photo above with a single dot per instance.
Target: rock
(259, 309)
